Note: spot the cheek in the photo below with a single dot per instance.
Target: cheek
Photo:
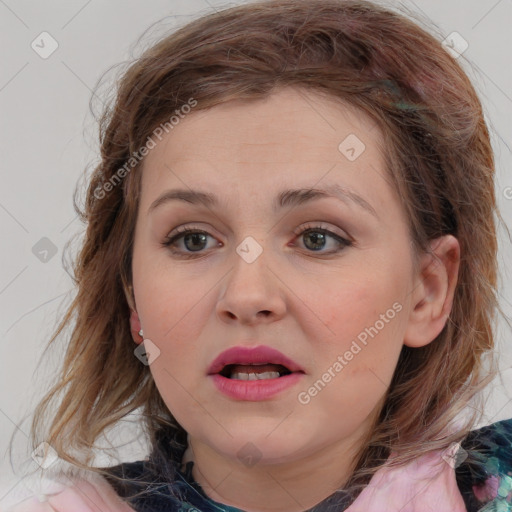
(343, 308)
(352, 381)
(169, 316)
(174, 324)
(165, 295)
(364, 322)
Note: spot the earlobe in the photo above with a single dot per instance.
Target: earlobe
(433, 292)
(135, 327)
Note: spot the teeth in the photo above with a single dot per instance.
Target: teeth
(254, 376)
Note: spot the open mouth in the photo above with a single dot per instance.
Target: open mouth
(254, 371)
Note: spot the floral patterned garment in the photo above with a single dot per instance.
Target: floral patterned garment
(480, 483)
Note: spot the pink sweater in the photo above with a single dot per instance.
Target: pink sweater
(427, 484)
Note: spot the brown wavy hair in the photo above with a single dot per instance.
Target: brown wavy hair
(438, 155)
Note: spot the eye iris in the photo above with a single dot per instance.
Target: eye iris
(315, 236)
(195, 237)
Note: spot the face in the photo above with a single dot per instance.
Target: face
(323, 279)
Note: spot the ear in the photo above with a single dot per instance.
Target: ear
(433, 291)
(135, 327)
(128, 293)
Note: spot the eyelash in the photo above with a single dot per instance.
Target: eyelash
(182, 232)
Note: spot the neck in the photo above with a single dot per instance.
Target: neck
(292, 486)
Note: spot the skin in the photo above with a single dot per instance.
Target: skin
(310, 305)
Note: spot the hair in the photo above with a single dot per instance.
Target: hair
(438, 156)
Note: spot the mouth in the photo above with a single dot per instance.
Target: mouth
(254, 374)
(254, 371)
(253, 363)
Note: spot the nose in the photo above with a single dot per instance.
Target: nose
(251, 293)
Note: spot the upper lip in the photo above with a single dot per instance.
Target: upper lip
(252, 355)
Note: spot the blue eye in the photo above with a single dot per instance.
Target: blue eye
(195, 241)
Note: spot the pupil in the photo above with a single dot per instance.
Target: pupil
(315, 236)
(194, 237)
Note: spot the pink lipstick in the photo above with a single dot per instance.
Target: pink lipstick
(253, 373)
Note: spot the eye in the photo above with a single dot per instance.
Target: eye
(316, 238)
(194, 240)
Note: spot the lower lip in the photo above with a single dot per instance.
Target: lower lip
(255, 390)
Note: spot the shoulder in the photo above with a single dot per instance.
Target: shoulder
(500, 430)
(84, 494)
(490, 447)
(484, 473)
(149, 486)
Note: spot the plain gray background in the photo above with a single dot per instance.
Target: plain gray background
(49, 137)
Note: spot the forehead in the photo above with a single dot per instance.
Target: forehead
(284, 119)
(293, 136)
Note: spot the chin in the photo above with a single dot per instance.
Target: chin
(256, 446)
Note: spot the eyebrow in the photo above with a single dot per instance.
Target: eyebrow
(289, 197)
